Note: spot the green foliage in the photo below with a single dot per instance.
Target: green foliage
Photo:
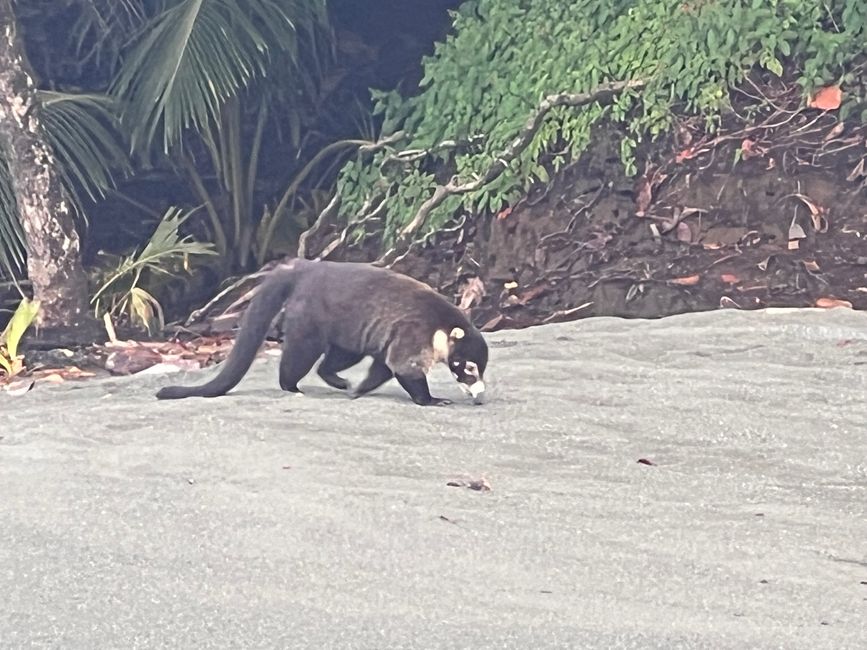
(202, 85)
(25, 314)
(504, 56)
(195, 55)
(128, 285)
(83, 133)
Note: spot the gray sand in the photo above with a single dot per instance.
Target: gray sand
(262, 519)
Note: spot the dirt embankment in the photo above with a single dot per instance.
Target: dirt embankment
(770, 214)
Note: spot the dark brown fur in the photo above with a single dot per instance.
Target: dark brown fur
(348, 311)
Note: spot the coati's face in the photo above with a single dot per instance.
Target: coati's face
(468, 357)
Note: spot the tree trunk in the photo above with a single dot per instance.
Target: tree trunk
(53, 257)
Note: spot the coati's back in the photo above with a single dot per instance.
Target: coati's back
(355, 302)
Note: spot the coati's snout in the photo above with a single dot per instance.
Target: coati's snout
(467, 361)
(469, 379)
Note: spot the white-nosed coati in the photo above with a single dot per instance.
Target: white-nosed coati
(347, 311)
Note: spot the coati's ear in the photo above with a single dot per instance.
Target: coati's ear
(457, 333)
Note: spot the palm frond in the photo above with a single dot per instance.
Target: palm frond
(102, 27)
(197, 54)
(83, 131)
(12, 260)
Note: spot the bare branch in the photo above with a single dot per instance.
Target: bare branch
(327, 212)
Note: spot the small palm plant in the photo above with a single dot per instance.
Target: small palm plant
(127, 288)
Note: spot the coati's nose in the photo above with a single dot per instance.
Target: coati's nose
(477, 390)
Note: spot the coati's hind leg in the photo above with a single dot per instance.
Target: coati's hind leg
(418, 390)
(300, 354)
(336, 360)
(377, 375)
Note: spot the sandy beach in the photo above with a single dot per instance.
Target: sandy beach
(698, 481)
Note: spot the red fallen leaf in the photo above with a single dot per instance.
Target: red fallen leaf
(750, 149)
(686, 281)
(830, 303)
(828, 98)
(504, 213)
(686, 154)
(644, 461)
(729, 278)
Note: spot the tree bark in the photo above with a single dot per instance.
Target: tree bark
(53, 256)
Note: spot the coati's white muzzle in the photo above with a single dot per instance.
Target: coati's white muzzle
(476, 390)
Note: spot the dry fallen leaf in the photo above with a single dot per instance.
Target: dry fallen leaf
(644, 461)
(533, 292)
(729, 278)
(473, 293)
(17, 388)
(644, 198)
(857, 172)
(835, 131)
(796, 232)
(684, 232)
(830, 303)
(686, 281)
(479, 485)
(828, 98)
(817, 213)
(811, 265)
(563, 315)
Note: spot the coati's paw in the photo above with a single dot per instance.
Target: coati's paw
(435, 401)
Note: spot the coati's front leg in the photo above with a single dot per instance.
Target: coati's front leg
(416, 386)
(378, 374)
(336, 360)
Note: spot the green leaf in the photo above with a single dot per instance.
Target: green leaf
(23, 317)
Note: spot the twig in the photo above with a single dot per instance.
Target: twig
(327, 212)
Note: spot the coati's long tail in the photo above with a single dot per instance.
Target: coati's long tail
(267, 302)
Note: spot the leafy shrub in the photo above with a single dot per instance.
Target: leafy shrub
(504, 56)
